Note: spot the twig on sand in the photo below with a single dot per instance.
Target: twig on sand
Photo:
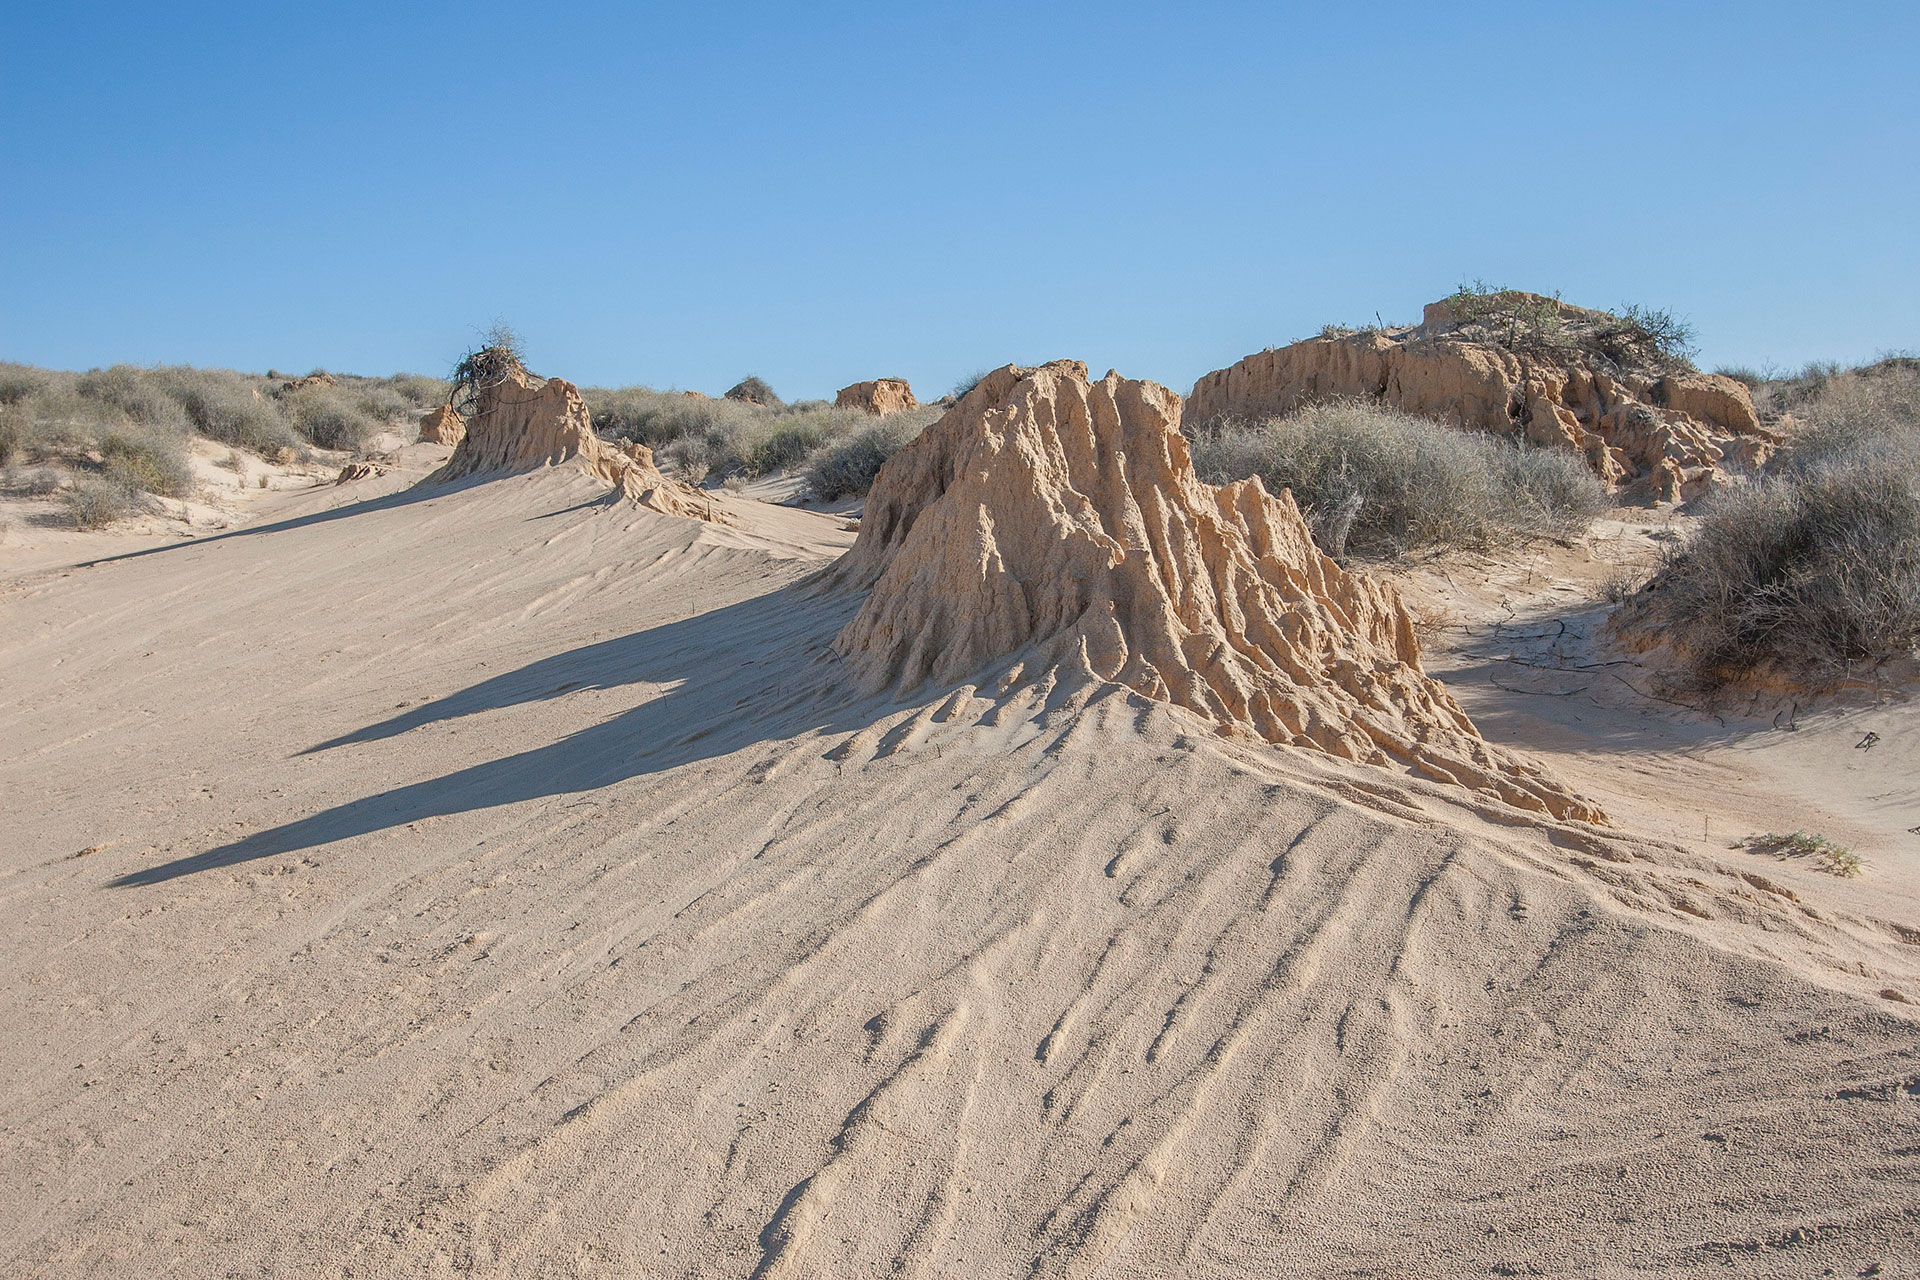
(1672, 702)
(1538, 693)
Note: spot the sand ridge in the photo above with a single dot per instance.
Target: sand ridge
(542, 902)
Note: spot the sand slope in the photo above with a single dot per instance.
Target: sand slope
(502, 879)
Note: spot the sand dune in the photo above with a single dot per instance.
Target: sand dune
(501, 878)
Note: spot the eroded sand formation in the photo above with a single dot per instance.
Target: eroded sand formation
(522, 422)
(1052, 511)
(880, 396)
(443, 426)
(1593, 388)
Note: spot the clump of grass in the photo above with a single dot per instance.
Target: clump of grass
(1377, 483)
(848, 468)
(968, 383)
(97, 501)
(1836, 859)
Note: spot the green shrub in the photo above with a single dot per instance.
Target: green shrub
(97, 501)
(148, 461)
(228, 407)
(330, 419)
(1378, 483)
(968, 383)
(1810, 570)
(782, 448)
(754, 390)
(18, 381)
(849, 467)
(420, 392)
(141, 394)
(13, 433)
(1670, 337)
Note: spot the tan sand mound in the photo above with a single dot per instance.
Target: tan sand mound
(1578, 378)
(443, 426)
(521, 422)
(880, 396)
(1050, 511)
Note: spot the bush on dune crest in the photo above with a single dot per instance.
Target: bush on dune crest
(1377, 483)
(1815, 567)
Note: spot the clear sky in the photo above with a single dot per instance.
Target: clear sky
(680, 195)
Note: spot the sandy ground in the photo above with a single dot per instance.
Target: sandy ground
(493, 879)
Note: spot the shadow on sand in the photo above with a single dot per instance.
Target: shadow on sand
(419, 491)
(755, 671)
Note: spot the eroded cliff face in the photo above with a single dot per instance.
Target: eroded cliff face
(879, 396)
(442, 426)
(521, 423)
(1588, 385)
(1059, 518)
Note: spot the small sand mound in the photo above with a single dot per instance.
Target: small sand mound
(1049, 511)
(880, 396)
(443, 426)
(522, 422)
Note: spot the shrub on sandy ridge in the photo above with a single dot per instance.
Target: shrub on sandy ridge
(848, 468)
(1816, 566)
(1379, 483)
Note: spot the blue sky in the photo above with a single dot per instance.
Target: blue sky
(682, 195)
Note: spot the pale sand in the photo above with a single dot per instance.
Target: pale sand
(495, 879)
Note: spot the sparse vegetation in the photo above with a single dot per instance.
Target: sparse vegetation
(1617, 585)
(148, 462)
(968, 383)
(1828, 856)
(1635, 337)
(97, 501)
(1815, 567)
(1512, 317)
(1670, 337)
(848, 468)
(498, 357)
(699, 436)
(125, 429)
(1377, 483)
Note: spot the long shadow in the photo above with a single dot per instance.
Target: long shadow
(419, 491)
(750, 672)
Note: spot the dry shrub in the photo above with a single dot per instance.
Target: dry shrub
(1810, 571)
(97, 501)
(228, 407)
(329, 418)
(148, 461)
(1377, 483)
(1815, 568)
(848, 467)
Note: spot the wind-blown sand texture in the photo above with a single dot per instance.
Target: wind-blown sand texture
(490, 878)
